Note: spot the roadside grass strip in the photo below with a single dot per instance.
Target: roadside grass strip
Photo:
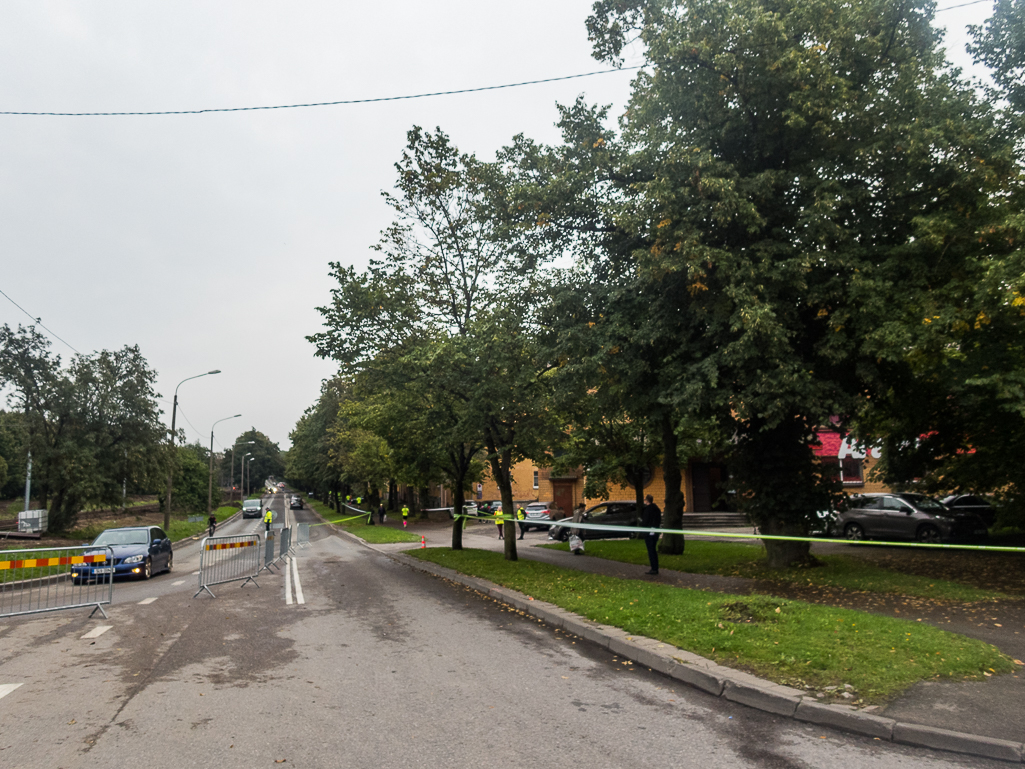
(179, 529)
(789, 642)
(375, 535)
(736, 560)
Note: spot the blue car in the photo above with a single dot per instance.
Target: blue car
(139, 551)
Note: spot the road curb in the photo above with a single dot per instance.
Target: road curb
(733, 685)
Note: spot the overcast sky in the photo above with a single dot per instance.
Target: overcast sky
(205, 239)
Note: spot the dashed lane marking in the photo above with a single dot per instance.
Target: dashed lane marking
(145, 601)
(179, 582)
(96, 632)
(6, 689)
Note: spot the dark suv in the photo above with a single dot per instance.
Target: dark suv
(906, 516)
(609, 513)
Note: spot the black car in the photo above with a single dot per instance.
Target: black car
(296, 502)
(972, 503)
(609, 513)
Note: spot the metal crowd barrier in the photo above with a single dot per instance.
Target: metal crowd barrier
(37, 580)
(228, 559)
(286, 543)
(303, 538)
(268, 551)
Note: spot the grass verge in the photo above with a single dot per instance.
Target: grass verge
(375, 535)
(789, 642)
(737, 560)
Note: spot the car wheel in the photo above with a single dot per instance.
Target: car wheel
(147, 569)
(929, 534)
(854, 532)
(170, 560)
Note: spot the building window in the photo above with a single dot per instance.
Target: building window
(848, 468)
(535, 479)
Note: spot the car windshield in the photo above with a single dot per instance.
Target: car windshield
(925, 504)
(537, 506)
(123, 537)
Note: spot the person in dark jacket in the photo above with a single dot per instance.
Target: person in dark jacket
(380, 513)
(651, 518)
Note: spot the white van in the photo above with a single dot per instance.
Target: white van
(251, 508)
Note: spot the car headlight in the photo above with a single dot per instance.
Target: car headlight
(134, 559)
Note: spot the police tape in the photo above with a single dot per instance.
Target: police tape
(569, 523)
(340, 520)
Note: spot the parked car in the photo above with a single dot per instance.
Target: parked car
(469, 508)
(609, 513)
(251, 508)
(538, 516)
(906, 516)
(296, 502)
(972, 503)
(139, 551)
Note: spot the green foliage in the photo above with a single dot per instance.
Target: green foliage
(90, 426)
(1000, 45)
(789, 642)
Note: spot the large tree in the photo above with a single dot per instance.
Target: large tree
(820, 182)
(423, 317)
(91, 425)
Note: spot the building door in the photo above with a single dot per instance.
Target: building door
(562, 496)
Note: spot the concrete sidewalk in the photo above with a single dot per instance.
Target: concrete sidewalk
(981, 718)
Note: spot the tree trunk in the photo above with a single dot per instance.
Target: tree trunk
(393, 495)
(782, 554)
(501, 468)
(672, 515)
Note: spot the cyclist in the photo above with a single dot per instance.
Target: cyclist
(212, 524)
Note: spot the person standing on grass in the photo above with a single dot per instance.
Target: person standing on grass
(380, 513)
(651, 518)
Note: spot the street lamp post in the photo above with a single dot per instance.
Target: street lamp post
(244, 465)
(170, 471)
(210, 491)
(232, 499)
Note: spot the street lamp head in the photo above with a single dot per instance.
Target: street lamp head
(235, 417)
(216, 371)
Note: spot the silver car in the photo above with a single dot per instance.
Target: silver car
(906, 516)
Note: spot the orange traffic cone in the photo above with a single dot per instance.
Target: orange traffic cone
(423, 542)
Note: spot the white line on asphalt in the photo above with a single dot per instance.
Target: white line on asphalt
(195, 572)
(299, 598)
(288, 584)
(6, 689)
(96, 632)
(179, 582)
(145, 601)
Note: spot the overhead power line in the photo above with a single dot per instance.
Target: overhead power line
(38, 321)
(962, 5)
(322, 103)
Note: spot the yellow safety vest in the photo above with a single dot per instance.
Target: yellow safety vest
(520, 514)
(268, 517)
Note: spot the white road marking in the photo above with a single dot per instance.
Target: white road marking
(6, 689)
(298, 585)
(96, 632)
(195, 572)
(145, 601)
(179, 582)
(288, 585)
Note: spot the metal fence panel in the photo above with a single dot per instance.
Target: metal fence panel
(228, 559)
(268, 551)
(52, 579)
(303, 538)
(286, 543)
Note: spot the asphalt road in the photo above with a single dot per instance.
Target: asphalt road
(381, 666)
